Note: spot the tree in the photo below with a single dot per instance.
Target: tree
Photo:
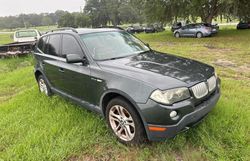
(207, 9)
(162, 10)
(101, 12)
(243, 10)
(97, 11)
(46, 21)
(67, 20)
(82, 20)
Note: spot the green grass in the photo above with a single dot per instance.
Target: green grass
(5, 38)
(35, 127)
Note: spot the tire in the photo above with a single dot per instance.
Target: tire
(177, 35)
(121, 115)
(43, 86)
(199, 35)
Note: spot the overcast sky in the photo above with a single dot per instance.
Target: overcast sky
(15, 7)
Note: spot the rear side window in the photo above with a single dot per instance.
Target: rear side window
(53, 46)
(42, 43)
(70, 46)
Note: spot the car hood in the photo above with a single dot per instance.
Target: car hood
(160, 69)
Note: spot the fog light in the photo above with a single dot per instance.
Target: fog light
(173, 114)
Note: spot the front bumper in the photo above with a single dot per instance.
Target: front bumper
(189, 115)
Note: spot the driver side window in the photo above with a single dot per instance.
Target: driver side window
(70, 46)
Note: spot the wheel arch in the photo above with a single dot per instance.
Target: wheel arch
(198, 33)
(111, 94)
(39, 72)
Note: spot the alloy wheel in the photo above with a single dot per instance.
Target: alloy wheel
(43, 87)
(122, 123)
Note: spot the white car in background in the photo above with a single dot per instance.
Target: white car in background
(26, 35)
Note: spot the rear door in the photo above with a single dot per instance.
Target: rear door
(52, 61)
(193, 29)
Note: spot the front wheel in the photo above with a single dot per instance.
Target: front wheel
(125, 122)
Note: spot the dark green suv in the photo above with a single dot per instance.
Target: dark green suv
(142, 93)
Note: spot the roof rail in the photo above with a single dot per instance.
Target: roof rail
(64, 29)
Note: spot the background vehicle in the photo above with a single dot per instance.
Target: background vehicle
(193, 30)
(159, 27)
(243, 25)
(26, 35)
(150, 29)
(135, 29)
(24, 42)
(176, 26)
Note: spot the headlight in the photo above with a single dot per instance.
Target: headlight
(170, 96)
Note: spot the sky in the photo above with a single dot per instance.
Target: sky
(16, 7)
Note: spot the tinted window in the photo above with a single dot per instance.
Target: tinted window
(70, 46)
(53, 46)
(190, 26)
(41, 44)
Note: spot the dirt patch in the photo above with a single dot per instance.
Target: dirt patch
(209, 46)
(166, 44)
(105, 154)
(224, 63)
(245, 68)
(213, 48)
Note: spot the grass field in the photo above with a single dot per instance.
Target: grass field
(5, 38)
(34, 127)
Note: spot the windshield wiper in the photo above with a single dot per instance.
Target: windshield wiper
(143, 52)
(118, 57)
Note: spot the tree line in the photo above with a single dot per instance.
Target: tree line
(116, 12)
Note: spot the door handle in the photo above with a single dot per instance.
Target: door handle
(61, 70)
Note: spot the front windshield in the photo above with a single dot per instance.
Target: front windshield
(111, 45)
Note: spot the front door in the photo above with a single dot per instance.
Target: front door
(76, 76)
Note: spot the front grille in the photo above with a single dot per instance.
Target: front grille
(200, 90)
(211, 83)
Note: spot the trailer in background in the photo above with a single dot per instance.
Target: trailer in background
(16, 49)
(24, 42)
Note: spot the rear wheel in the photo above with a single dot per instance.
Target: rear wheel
(199, 35)
(125, 122)
(43, 86)
(177, 34)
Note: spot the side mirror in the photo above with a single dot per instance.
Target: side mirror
(74, 58)
(148, 45)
